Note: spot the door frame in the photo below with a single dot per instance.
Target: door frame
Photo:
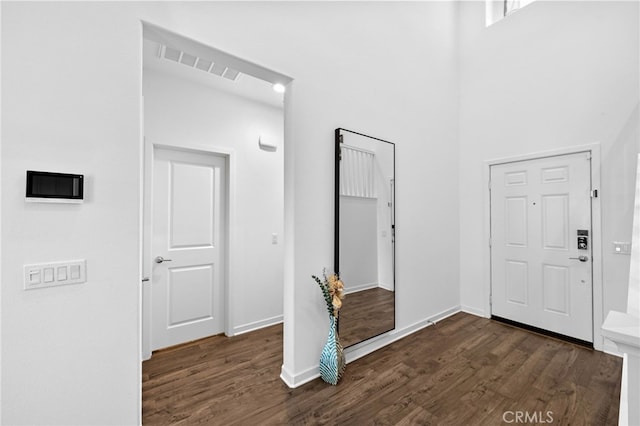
(596, 229)
(230, 233)
(161, 34)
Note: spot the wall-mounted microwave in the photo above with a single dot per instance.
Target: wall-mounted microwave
(51, 187)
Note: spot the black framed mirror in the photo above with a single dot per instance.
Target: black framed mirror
(364, 250)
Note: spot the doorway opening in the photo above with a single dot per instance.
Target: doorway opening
(544, 251)
(213, 208)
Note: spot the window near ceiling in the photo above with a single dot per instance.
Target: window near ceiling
(499, 9)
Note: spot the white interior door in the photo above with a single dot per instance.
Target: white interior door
(539, 275)
(188, 227)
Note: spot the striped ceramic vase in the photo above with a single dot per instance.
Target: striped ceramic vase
(332, 362)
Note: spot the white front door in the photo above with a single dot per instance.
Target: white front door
(540, 210)
(188, 227)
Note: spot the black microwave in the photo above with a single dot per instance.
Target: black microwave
(54, 187)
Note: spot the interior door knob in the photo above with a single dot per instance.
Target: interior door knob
(580, 258)
(160, 259)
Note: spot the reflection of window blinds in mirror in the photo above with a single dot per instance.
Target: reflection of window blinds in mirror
(357, 172)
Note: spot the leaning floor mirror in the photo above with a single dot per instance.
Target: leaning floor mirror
(365, 234)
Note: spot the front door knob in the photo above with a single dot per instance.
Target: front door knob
(161, 259)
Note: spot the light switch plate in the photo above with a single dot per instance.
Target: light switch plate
(61, 272)
(42, 275)
(33, 276)
(621, 247)
(47, 274)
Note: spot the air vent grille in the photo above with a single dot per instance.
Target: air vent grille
(188, 60)
(202, 64)
(231, 74)
(218, 69)
(172, 54)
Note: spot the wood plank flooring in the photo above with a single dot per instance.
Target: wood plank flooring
(365, 314)
(464, 370)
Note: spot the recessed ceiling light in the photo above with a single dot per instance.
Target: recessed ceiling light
(279, 88)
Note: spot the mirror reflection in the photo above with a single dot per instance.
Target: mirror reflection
(365, 234)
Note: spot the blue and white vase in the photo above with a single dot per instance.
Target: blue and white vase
(332, 361)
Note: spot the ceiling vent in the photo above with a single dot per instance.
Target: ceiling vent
(202, 64)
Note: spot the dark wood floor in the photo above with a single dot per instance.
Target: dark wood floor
(463, 371)
(365, 314)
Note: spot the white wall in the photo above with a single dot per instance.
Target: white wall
(69, 353)
(182, 113)
(358, 243)
(552, 75)
(71, 82)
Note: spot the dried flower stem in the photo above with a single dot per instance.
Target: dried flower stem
(332, 291)
(325, 292)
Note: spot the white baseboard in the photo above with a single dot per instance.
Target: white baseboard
(610, 348)
(360, 287)
(293, 381)
(287, 377)
(386, 286)
(358, 351)
(474, 311)
(365, 348)
(252, 326)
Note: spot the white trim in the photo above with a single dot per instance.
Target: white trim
(256, 325)
(141, 242)
(610, 348)
(232, 240)
(294, 381)
(486, 241)
(287, 377)
(474, 311)
(596, 228)
(596, 253)
(145, 238)
(365, 348)
(361, 287)
(388, 287)
(368, 346)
